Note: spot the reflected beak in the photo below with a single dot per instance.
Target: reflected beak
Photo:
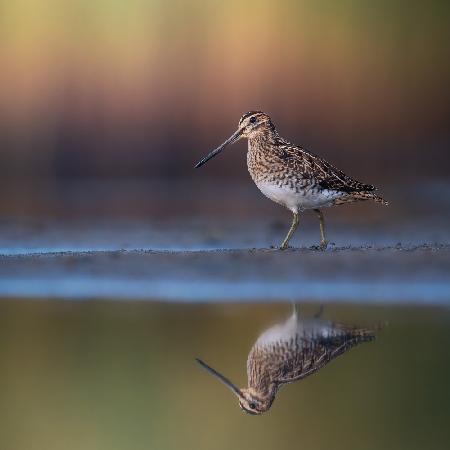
(223, 379)
(231, 140)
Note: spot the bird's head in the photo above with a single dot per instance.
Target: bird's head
(253, 404)
(248, 401)
(254, 123)
(251, 124)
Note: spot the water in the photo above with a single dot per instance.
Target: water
(113, 375)
(108, 296)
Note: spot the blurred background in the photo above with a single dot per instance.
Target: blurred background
(105, 107)
(104, 90)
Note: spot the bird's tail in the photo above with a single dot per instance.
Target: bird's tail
(357, 336)
(371, 196)
(363, 335)
(362, 196)
(369, 334)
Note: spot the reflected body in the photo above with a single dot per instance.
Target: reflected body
(292, 176)
(289, 352)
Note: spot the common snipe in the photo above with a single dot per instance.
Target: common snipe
(289, 352)
(292, 176)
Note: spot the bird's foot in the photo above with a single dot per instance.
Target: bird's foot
(322, 246)
(319, 313)
(284, 245)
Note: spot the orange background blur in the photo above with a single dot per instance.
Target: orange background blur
(114, 89)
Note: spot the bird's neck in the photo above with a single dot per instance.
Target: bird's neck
(269, 396)
(265, 394)
(263, 139)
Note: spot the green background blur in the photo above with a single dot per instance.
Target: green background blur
(143, 88)
(114, 376)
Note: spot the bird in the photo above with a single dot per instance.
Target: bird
(292, 176)
(288, 352)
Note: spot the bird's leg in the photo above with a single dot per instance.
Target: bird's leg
(323, 241)
(296, 309)
(319, 313)
(291, 231)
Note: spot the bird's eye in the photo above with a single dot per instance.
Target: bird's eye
(252, 119)
(252, 406)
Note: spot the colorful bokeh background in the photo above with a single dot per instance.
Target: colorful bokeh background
(143, 88)
(105, 107)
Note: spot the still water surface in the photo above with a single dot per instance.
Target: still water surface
(122, 375)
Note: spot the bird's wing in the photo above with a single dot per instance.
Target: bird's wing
(328, 176)
(320, 354)
(291, 360)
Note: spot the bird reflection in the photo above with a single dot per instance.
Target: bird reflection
(288, 352)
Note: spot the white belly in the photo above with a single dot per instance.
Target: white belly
(298, 201)
(293, 327)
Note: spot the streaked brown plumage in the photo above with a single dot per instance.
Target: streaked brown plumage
(289, 352)
(292, 176)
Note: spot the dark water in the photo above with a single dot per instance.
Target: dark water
(122, 375)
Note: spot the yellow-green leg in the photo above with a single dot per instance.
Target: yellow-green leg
(291, 231)
(319, 313)
(323, 240)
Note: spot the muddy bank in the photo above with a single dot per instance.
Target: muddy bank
(211, 241)
(412, 273)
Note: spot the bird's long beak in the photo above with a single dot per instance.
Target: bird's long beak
(231, 140)
(223, 379)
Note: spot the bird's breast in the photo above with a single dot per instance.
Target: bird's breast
(281, 184)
